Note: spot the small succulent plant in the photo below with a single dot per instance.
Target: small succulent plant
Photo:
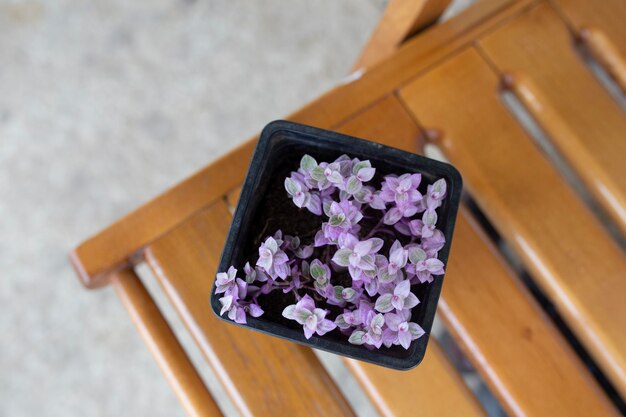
(397, 250)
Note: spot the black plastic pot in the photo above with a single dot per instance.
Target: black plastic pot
(278, 152)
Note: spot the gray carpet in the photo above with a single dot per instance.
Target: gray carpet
(103, 105)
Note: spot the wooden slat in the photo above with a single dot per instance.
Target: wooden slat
(401, 20)
(389, 389)
(526, 362)
(560, 242)
(119, 244)
(162, 342)
(584, 122)
(113, 247)
(606, 16)
(522, 356)
(435, 385)
(424, 391)
(415, 56)
(600, 27)
(606, 53)
(386, 121)
(264, 376)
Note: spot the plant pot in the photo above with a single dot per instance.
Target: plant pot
(261, 211)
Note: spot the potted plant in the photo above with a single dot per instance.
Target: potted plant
(339, 244)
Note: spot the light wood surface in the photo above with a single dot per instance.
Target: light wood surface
(114, 247)
(121, 244)
(388, 389)
(264, 376)
(446, 84)
(600, 26)
(606, 16)
(561, 243)
(509, 340)
(581, 118)
(523, 358)
(401, 20)
(435, 384)
(414, 57)
(606, 52)
(423, 391)
(170, 356)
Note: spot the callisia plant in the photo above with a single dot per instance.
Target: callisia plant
(373, 245)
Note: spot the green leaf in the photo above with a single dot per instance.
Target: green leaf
(317, 271)
(335, 177)
(430, 217)
(291, 186)
(338, 291)
(347, 293)
(289, 312)
(308, 163)
(301, 314)
(317, 173)
(342, 257)
(415, 330)
(326, 207)
(353, 185)
(271, 244)
(360, 195)
(384, 277)
(340, 321)
(440, 186)
(337, 219)
(378, 320)
(306, 269)
(416, 254)
(383, 304)
(360, 165)
(356, 338)
(321, 281)
(251, 277)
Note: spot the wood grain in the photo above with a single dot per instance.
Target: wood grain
(524, 359)
(606, 16)
(263, 375)
(401, 20)
(114, 247)
(600, 26)
(606, 53)
(562, 245)
(424, 391)
(414, 57)
(156, 333)
(121, 244)
(511, 181)
(587, 126)
(435, 385)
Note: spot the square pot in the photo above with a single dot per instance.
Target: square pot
(277, 153)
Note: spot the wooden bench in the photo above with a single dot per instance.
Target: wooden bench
(444, 85)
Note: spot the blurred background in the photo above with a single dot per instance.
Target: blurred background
(102, 106)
